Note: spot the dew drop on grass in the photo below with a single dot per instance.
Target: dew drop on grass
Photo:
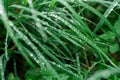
(43, 64)
(30, 1)
(34, 48)
(31, 55)
(59, 66)
(0, 64)
(58, 18)
(76, 75)
(74, 30)
(80, 40)
(53, 63)
(1, 12)
(10, 23)
(1, 9)
(38, 20)
(72, 0)
(41, 57)
(115, 3)
(64, 2)
(110, 10)
(43, 12)
(1, 68)
(2, 73)
(112, 7)
(29, 43)
(45, 28)
(71, 21)
(37, 61)
(34, 40)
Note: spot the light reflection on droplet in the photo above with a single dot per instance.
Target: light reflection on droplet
(45, 28)
(38, 20)
(31, 55)
(37, 61)
(80, 40)
(10, 23)
(1, 9)
(43, 63)
(0, 63)
(112, 7)
(2, 73)
(29, 43)
(72, 0)
(59, 66)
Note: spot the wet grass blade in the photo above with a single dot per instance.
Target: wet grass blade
(106, 14)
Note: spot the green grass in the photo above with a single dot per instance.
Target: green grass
(59, 39)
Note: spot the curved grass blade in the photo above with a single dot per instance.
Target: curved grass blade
(101, 16)
(106, 14)
(52, 4)
(83, 37)
(2, 67)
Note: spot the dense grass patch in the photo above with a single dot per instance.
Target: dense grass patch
(59, 39)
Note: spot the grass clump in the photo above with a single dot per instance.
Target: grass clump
(59, 39)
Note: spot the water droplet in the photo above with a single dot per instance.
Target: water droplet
(30, 1)
(40, 57)
(72, 0)
(2, 73)
(76, 75)
(33, 48)
(80, 40)
(71, 21)
(112, 7)
(0, 66)
(64, 3)
(115, 3)
(53, 63)
(97, 39)
(74, 30)
(110, 10)
(45, 28)
(29, 43)
(58, 18)
(59, 66)
(31, 55)
(43, 63)
(38, 20)
(10, 23)
(1, 12)
(43, 12)
(1, 9)
(37, 61)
